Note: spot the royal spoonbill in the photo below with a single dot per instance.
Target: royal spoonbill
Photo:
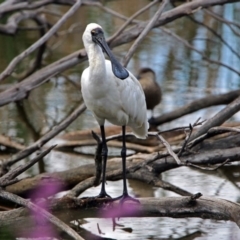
(112, 93)
(152, 90)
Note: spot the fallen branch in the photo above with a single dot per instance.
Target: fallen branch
(175, 207)
(13, 173)
(212, 100)
(158, 162)
(219, 118)
(38, 144)
(64, 227)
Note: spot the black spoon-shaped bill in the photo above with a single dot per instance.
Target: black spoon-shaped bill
(118, 70)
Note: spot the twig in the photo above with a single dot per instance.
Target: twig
(197, 140)
(146, 30)
(21, 201)
(39, 56)
(11, 27)
(198, 104)
(219, 118)
(12, 6)
(229, 23)
(121, 29)
(217, 130)
(211, 132)
(7, 178)
(195, 196)
(40, 41)
(185, 141)
(169, 149)
(148, 177)
(154, 134)
(108, 10)
(213, 32)
(188, 136)
(186, 43)
(206, 168)
(38, 144)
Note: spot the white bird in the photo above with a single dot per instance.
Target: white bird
(112, 93)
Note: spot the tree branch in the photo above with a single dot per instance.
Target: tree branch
(219, 118)
(38, 144)
(211, 100)
(39, 42)
(64, 227)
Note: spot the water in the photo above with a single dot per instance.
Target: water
(183, 76)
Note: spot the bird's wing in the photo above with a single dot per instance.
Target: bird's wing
(133, 99)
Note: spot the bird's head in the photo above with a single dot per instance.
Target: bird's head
(94, 34)
(146, 73)
(89, 32)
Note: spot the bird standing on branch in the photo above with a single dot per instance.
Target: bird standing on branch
(112, 93)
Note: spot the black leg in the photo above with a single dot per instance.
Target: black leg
(103, 193)
(123, 154)
(125, 195)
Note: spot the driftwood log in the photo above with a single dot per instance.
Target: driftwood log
(176, 207)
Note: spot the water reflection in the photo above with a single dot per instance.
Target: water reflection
(183, 76)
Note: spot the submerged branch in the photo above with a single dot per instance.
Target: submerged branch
(158, 162)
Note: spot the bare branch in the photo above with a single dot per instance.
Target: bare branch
(11, 175)
(168, 16)
(206, 168)
(121, 29)
(37, 145)
(223, 20)
(186, 43)
(146, 30)
(198, 104)
(167, 145)
(63, 226)
(11, 6)
(219, 118)
(40, 41)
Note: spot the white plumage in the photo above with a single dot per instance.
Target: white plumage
(121, 102)
(112, 93)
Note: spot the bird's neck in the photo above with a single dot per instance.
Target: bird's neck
(96, 58)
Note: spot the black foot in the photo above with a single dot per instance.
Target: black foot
(100, 195)
(103, 195)
(125, 198)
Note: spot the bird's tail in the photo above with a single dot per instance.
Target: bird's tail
(141, 132)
